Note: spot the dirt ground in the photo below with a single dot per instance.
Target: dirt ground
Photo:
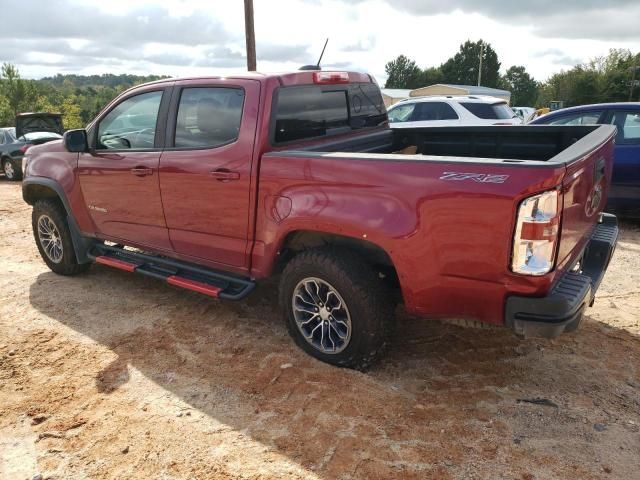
(112, 375)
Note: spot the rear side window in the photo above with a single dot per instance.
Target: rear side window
(583, 118)
(489, 111)
(208, 117)
(628, 124)
(426, 111)
(314, 111)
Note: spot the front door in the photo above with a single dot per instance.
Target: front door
(205, 171)
(119, 177)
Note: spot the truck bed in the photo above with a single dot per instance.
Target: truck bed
(496, 144)
(445, 213)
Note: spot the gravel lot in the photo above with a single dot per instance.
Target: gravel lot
(111, 375)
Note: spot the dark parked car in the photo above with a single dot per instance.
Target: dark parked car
(31, 129)
(625, 184)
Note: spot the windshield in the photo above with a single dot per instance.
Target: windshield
(39, 135)
(489, 111)
(312, 111)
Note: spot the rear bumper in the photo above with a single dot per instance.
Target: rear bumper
(561, 310)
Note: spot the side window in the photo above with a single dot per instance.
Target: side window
(447, 112)
(401, 113)
(585, 118)
(208, 116)
(427, 111)
(2, 134)
(131, 124)
(628, 124)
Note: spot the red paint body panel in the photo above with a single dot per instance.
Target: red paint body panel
(115, 263)
(123, 205)
(207, 217)
(193, 285)
(450, 242)
(578, 215)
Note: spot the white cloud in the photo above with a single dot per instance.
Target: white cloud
(191, 37)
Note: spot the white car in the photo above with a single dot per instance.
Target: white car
(449, 111)
(525, 113)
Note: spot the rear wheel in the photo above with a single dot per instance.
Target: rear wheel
(337, 308)
(53, 238)
(11, 170)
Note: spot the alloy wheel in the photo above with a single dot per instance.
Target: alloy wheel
(50, 238)
(321, 315)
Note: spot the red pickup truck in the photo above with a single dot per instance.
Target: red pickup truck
(211, 184)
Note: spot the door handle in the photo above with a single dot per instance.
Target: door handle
(141, 171)
(224, 175)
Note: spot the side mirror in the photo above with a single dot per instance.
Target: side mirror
(76, 141)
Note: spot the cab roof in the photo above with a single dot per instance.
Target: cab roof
(299, 77)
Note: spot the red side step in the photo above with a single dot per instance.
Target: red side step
(115, 263)
(193, 285)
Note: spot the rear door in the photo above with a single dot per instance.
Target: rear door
(625, 184)
(119, 176)
(205, 171)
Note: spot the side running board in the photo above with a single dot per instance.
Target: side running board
(174, 272)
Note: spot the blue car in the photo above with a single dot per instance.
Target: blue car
(625, 184)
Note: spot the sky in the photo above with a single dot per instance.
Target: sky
(198, 37)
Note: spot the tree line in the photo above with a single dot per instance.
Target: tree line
(78, 97)
(601, 79)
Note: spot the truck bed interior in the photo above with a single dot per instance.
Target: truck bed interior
(512, 144)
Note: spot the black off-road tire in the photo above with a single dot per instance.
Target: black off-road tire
(368, 300)
(68, 264)
(16, 169)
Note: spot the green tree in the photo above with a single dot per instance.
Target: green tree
(403, 73)
(462, 68)
(602, 79)
(431, 76)
(6, 115)
(523, 88)
(71, 113)
(13, 88)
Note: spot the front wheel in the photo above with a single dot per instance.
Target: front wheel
(337, 308)
(53, 238)
(11, 170)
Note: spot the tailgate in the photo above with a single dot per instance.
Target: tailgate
(585, 188)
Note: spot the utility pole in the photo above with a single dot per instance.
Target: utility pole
(633, 81)
(480, 67)
(250, 35)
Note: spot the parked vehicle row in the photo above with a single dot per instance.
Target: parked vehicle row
(212, 184)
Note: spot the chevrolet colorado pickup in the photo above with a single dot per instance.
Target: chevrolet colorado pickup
(212, 184)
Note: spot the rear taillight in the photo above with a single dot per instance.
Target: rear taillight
(24, 148)
(534, 243)
(330, 77)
